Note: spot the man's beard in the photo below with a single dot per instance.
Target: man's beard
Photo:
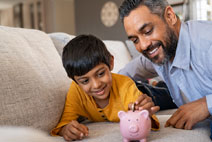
(169, 50)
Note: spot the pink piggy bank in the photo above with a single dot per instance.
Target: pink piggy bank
(134, 125)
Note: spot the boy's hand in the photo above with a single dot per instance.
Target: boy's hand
(74, 131)
(144, 102)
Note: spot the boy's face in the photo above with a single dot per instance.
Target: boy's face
(97, 82)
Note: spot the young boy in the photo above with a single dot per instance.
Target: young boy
(95, 92)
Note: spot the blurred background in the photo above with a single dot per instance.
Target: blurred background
(99, 17)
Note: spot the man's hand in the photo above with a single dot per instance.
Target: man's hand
(74, 131)
(145, 102)
(189, 114)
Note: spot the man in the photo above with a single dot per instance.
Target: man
(180, 53)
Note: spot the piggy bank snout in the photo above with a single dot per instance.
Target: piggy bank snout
(133, 128)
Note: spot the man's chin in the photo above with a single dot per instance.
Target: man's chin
(159, 62)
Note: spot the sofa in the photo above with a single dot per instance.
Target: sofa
(33, 87)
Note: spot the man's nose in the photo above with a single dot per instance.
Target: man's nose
(144, 44)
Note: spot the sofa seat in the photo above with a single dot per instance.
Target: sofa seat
(110, 132)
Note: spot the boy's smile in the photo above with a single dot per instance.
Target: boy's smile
(97, 83)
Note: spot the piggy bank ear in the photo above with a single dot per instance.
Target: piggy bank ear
(121, 114)
(144, 113)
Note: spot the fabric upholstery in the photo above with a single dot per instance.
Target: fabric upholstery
(33, 83)
(60, 40)
(110, 132)
(132, 50)
(120, 53)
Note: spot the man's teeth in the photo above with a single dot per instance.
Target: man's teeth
(153, 51)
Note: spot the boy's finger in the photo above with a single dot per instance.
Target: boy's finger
(140, 99)
(147, 106)
(84, 129)
(155, 109)
(130, 106)
(73, 133)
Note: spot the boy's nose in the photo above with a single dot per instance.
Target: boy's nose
(96, 83)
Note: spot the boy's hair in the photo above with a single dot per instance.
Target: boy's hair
(83, 53)
(155, 6)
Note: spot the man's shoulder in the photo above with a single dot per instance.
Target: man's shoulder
(200, 28)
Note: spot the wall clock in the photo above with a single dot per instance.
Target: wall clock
(109, 14)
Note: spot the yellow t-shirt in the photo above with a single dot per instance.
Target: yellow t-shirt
(78, 103)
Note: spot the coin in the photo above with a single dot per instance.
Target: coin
(133, 107)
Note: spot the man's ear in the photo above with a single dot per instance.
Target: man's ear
(111, 63)
(170, 16)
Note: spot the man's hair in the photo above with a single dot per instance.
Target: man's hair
(83, 53)
(155, 6)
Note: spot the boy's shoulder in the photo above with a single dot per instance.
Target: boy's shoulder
(121, 79)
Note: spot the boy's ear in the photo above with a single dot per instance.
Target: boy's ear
(111, 63)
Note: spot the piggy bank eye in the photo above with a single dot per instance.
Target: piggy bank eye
(137, 119)
(129, 120)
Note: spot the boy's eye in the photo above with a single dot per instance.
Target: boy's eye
(84, 81)
(100, 74)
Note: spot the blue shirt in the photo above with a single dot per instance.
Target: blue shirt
(189, 76)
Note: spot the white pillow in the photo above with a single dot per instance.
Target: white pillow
(120, 53)
(60, 40)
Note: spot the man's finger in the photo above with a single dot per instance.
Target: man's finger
(173, 119)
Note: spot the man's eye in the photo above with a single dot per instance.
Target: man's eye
(135, 40)
(148, 32)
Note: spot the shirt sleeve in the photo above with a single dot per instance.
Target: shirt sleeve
(139, 69)
(209, 103)
(209, 72)
(72, 109)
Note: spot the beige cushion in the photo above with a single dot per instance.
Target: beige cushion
(33, 83)
(60, 40)
(24, 134)
(120, 53)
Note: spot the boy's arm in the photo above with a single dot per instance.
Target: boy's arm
(71, 111)
(74, 131)
(142, 101)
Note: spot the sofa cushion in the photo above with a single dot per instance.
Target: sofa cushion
(24, 134)
(120, 53)
(116, 48)
(60, 40)
(131, 47)
(33, 83)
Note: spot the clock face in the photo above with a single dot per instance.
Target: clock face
(109, 14)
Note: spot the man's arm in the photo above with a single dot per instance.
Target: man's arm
(139, 69)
